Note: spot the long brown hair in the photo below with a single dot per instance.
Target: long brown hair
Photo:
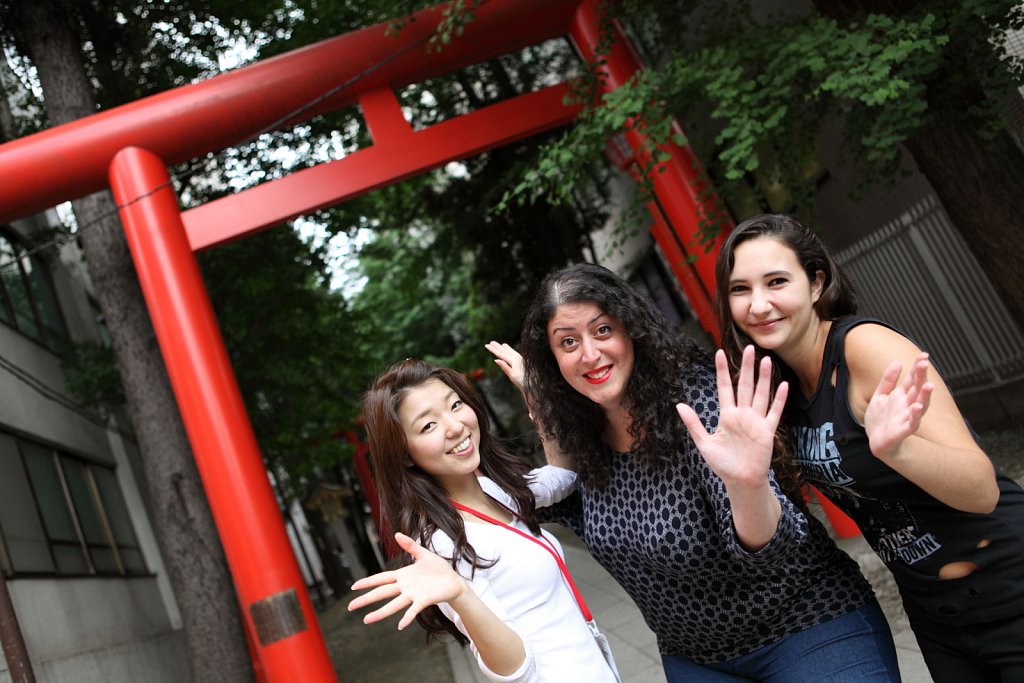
(837, 298)
(412, 501)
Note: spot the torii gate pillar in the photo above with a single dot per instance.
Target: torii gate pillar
(682, 200)
(276, 608)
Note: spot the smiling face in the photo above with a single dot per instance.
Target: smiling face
(593, 352)
(771, 298)
(442, 432)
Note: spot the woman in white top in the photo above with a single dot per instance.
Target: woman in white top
(476, 563)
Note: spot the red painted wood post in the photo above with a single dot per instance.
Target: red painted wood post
(680, 191)
(842, 525)
(270, 587)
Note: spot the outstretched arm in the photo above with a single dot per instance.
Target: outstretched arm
(912, 422)
(740, 449)
(428, 581)
(511, 363)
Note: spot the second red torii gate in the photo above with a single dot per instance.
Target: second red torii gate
(138, 141)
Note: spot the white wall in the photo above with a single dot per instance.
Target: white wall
(610, 250)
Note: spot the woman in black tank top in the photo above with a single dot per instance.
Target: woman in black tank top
(871, 424)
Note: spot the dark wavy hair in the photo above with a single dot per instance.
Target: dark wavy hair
(665, 360)
(412, 501)
(838, 298)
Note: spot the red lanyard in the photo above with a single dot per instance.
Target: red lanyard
(543, 543)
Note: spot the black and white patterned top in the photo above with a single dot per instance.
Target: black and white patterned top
(665, 533)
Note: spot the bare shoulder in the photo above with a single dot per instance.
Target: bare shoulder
(870, 348)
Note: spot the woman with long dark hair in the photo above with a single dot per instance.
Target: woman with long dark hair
(476, 563)
(873, 427)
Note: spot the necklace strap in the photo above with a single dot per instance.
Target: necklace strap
(543, 543)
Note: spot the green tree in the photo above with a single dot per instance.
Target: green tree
(291, 343)
(754, 91)
(449, 274)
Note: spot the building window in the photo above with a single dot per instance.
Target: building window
(62, 515)
(28, 301)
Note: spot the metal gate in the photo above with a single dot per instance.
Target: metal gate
(918, 273)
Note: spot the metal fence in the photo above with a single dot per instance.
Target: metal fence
(918, 273)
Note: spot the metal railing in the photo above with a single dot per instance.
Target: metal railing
(919, 274)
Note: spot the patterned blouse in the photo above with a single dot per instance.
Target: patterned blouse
(665, 533)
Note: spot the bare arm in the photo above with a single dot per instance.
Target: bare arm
(912, 422)
(428, 581)
(740, 450)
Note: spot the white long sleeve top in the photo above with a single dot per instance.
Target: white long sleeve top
(526, 589)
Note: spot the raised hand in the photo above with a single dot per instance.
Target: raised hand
(896, 408)
(428, 581)
(510, 362)
(740, 449)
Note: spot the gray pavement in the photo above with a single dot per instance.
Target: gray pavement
(380, 653)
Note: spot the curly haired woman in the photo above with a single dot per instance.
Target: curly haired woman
(735, 579)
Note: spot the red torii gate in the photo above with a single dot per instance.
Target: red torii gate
(136, 142)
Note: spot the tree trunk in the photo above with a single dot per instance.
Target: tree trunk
(191, 548)
(981, 186)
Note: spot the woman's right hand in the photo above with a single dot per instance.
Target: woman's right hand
(740, 449)
(428, 581)
(510, 362)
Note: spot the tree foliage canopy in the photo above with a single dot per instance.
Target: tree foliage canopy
(754, 90)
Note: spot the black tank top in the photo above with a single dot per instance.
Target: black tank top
(912, 532)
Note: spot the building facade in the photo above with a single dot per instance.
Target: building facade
(89, 591)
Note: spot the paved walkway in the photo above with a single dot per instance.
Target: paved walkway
(379, 653)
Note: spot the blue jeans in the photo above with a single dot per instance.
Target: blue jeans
(853, 648)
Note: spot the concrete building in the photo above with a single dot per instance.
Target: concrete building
(85, 576)
(86, 580)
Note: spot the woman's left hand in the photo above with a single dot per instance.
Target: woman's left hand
(896, 408)
(740, 449)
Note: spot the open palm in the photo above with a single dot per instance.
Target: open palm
(510, 362)
(896, 408)
(428, 581)
(740, 449)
